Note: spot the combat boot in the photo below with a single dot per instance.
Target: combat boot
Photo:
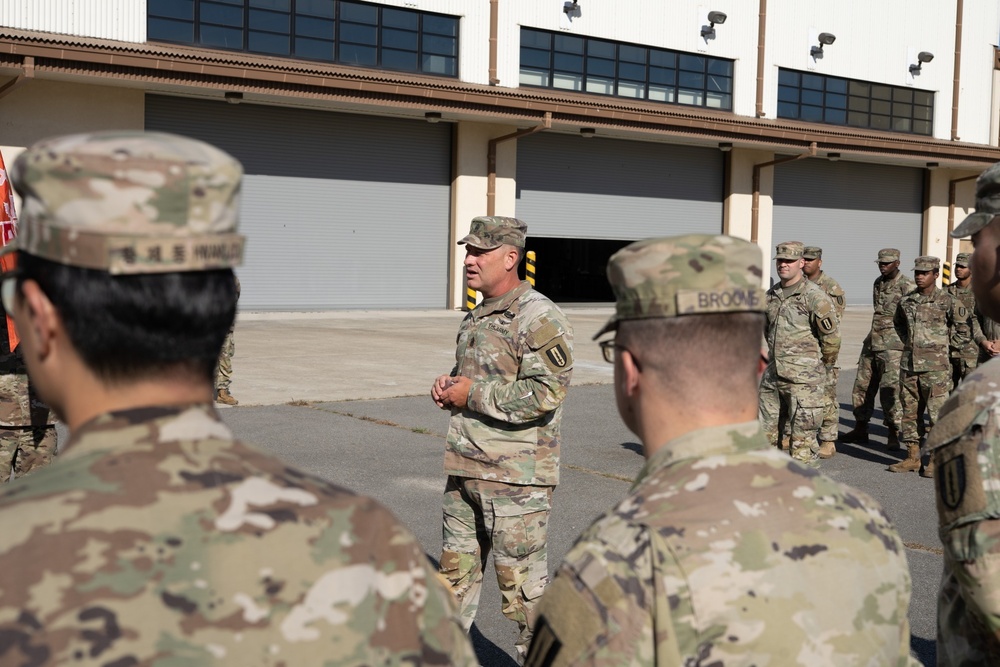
(892, 442)
(225, 397)
(928, 470)
(858, 435)
(911, 463)
(785, 443)
(827, 448)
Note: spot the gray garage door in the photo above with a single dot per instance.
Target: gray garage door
(569, 187)
(850, 210)
(340, 210)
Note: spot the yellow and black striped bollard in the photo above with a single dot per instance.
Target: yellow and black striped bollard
(529, 269)
(470, 298)
(946, 273)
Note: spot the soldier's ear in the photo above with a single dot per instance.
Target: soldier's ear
(37, 318)
(631, 370)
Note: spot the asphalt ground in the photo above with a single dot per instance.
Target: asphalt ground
(345, 396)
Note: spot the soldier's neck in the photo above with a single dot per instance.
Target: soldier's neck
(790, 282)
(963, 283)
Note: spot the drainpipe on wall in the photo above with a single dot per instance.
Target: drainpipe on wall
(755, 206)
(494, 29)
(956, 87)
(491, 160)
(951, 211)
(761, 36)
(27, 72)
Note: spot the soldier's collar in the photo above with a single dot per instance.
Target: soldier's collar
(704, 443)
(504, 301)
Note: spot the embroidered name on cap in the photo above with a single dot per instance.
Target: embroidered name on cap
(697, 301)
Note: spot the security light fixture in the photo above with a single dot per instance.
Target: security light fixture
(825, 39)
(713, 19)
(432, 116)
(572, 8)
(725, 146)
(234, 97)
(587, 132)
(922, 57)
(833, 157)
(933, 165)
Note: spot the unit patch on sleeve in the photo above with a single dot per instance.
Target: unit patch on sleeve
(556, 355)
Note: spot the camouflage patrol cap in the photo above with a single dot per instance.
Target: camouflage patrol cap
(926, 263)
(812, 252)
(129, 202)
(987, 203)
(962, 259)
(789, 250)
(685, 275)
(887, 255)
(489, 232)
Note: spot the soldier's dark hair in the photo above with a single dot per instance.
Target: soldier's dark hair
(705, 358)
(135, 327)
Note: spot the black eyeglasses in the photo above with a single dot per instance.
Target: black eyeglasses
(8, 289)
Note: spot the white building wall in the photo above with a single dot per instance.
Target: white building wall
(123, 20)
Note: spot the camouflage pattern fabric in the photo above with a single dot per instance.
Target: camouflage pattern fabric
(27, 426)
(513, 520)
(224, 370)
(926, 324)
(964, 347)
(803, 341)
(828, 430)
(965, 448)
(493, 231)
(725, 552)
(991, 332)
(157, 539)
(885, 297)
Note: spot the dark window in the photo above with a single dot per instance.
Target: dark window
(354, 33)
(553, 60)
(826, 99)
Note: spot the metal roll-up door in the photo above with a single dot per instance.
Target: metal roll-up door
(851, 210)
(340, 210)
(568, 187)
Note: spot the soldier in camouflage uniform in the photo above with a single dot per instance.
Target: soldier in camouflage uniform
(724, 552)
(926, 320)
(27, 429)
(967, 344)
(224, 371)
(155, 538)
(878, 364)
(965, 448)
(513, 365)
(813, 268)
(803, 340)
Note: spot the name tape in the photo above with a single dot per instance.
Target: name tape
(719, 301)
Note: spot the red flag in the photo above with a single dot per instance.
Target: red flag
(8, 230)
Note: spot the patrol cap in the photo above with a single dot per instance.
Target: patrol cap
(489, 232)
(926, 263)
(685, 275)
(789, 250)
(962, 259)
(812, 252)
(987, 203)
(129, 202)
(887, 255)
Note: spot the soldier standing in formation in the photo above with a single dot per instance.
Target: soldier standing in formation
(224, 371)
(967, 343)
(925, 321)
(155, 537)
(724, 551)
(812, 266)
(27, 428)
(878, 364)
(803, 341)
(513, 365)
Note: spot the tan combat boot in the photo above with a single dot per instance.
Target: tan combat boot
(225, 397)
(785, 443)
(928, 470)
(911, 463)
(827, 449)
(858, 435)
(892, 442)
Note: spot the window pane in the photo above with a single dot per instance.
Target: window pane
(628, 89)
(534, 58)
(788, 94)
(567, 81)
(600, 67)
(170, 31)
(270, 21)
(238, 3)
(836, 85)
(358, 34)
(401, 60)
(600, 85)
(923, 97)
(441, 25)
(307, 27)
(880, 122)
(812, 97)
(838, 116)
(858, 104)
(350, 11)
(661, 94)
(878, 106)
(881, 92)
(632, 71)
(721, 84)
(662, 58)
(723, 67)
(788, 110)
(691, 80)
(568, 44)
(632, 54)
(905, 110)
(444, 46)
(276, 5)
(812, 81)
(835, 101)
(353, 54)
(719, 101)
(567, 63)
(323, 8)
(811, 113)
(227, 38)
(540, 40)
(921, 127)
(313, 49)
(901, 124)
(444, 65)
(268, 42)
(860, 88)
(663, 76)
(922, 113)
(175, 9)
(692, 97)
(534, 78)
(221, 14)
(602, 49)
(788, 78)
(692, 63)
(399, 39)
(393, 18)
(902, 95)
(857, 119)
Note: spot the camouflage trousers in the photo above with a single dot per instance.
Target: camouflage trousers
(793, 408)
(224, 371)
(878, 372)
(829, 430)
(960, 368)
(920, 392)
(512, 520)
(968, 627)
(24, 449)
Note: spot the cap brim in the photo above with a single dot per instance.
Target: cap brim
(478, 242)
(972, 224)
(610, 325)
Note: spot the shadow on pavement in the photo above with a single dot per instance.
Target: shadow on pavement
(632, 447)
(489, 653)
(925, 650)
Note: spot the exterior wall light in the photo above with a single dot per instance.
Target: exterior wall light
(833, 157)
(922, 57)
(432, 116)
(714, 18)
(571, 8)
(725, 146)
(234, 97)
(825, 39)
(587, 132)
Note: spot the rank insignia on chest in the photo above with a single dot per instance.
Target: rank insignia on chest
(951, 482)
(509, 315)
(557, 356)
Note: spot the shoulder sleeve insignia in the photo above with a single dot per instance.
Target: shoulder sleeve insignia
(826, 324)
(556, 355)
(839, 299)
(963, 312)
(951, 482)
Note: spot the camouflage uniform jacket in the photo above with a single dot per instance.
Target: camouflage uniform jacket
(834, 291)
(803, 335)
(727, 552)
(885, 297)
(965, 339)
(154, 538)
(518, 351)
(965, 446)
(925, 324)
